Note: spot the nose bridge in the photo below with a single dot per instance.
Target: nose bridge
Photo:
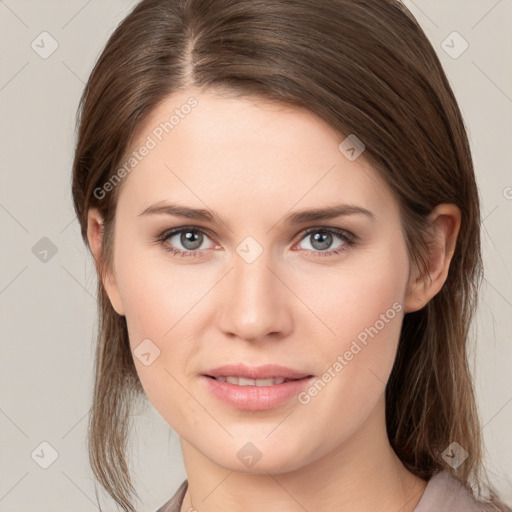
(253, 305)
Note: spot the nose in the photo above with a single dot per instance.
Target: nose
(255, 303)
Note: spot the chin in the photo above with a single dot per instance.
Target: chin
(259, 457)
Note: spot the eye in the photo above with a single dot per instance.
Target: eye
(191, 239)
(323, 241)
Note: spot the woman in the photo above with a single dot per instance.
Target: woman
(280, 200)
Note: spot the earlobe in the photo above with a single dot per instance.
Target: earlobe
(95, 238)
(445, 222)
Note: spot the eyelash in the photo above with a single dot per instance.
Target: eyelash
(348, 238)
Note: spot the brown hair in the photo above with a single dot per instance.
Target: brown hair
(363, 66)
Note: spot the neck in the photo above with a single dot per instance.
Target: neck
(363, 474)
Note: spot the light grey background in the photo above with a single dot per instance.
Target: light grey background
(48, 309)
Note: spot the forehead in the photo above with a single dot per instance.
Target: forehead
(246, 153)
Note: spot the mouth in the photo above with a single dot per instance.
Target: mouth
(255, 388)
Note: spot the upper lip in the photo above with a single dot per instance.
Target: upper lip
(266, 371)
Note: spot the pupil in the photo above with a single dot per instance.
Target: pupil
(324, 239)
(191, 240)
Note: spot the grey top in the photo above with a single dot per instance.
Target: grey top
(443, 493)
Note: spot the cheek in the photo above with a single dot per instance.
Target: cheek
(163, 305)
(351, 297)
(364, 308)
(156, 292)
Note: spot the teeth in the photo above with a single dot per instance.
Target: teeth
(242, 381)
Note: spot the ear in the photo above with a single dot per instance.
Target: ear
(445, 222)
(95, 237)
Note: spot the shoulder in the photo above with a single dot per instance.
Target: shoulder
(174, 504)
(444, 493)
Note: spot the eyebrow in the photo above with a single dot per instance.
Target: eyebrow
(294, 218)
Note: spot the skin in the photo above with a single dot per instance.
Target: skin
(254, 162)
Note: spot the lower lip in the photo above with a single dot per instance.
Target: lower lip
(256, 398)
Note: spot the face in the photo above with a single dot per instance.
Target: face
(256, 284)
